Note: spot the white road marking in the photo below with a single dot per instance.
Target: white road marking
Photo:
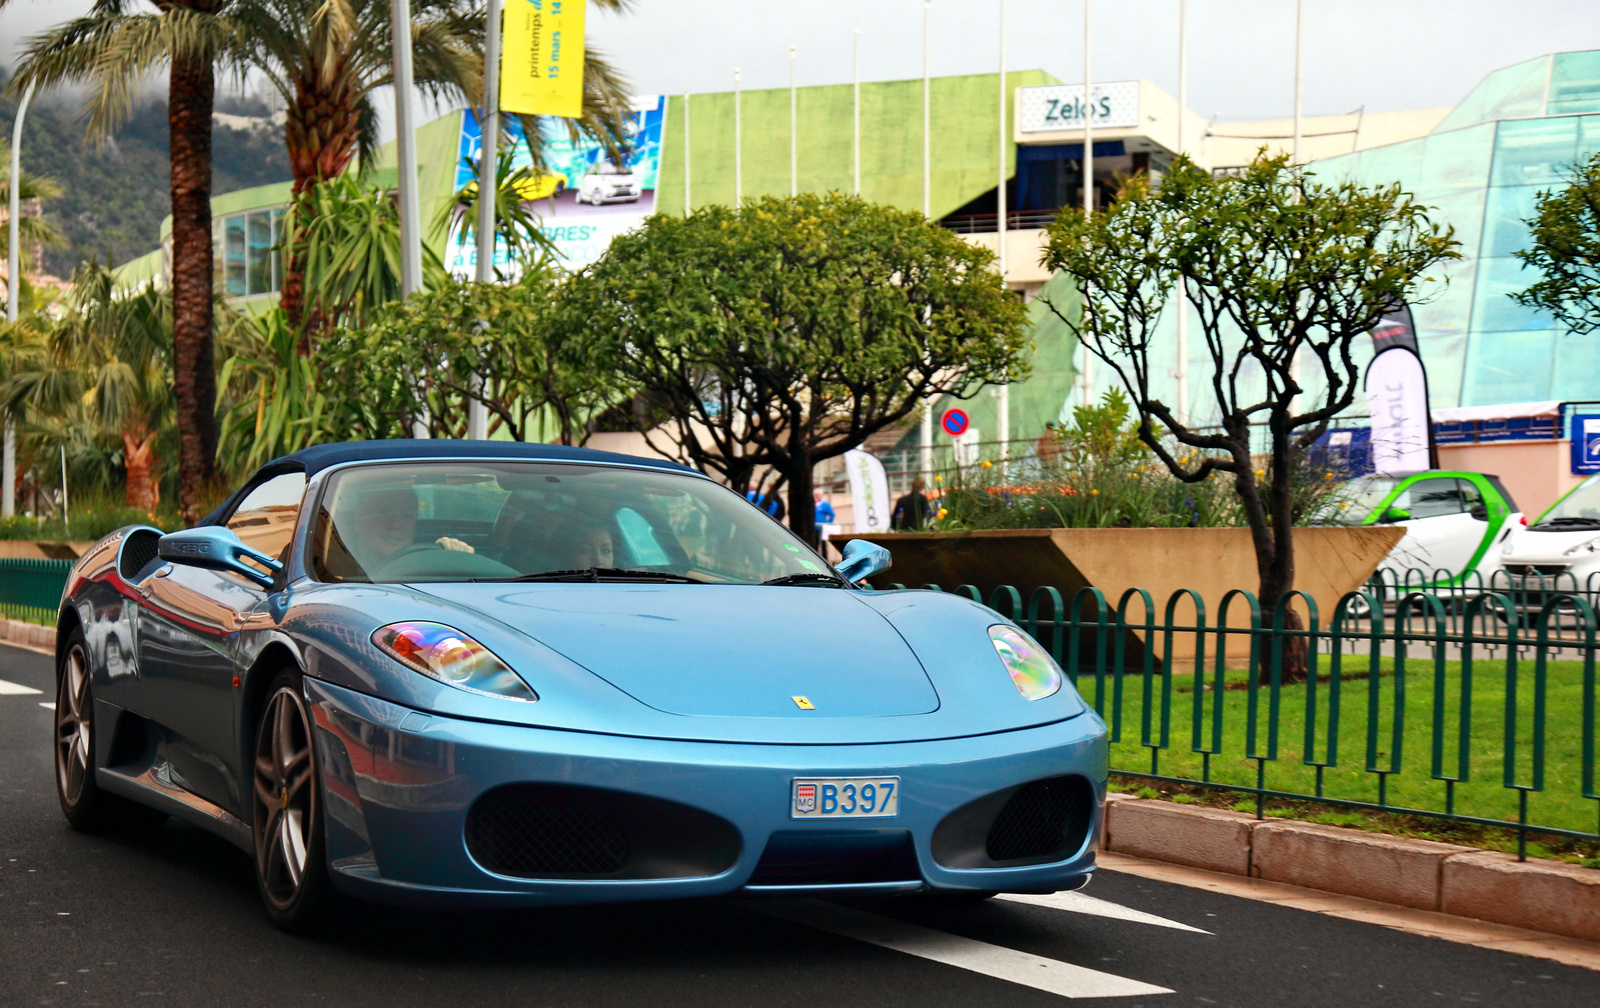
(46, 703)
(16, 689)
(1049, 975)
(1079, 903)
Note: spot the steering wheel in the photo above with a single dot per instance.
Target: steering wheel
(406, 551)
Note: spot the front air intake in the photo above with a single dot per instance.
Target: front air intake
(567, 831)
(1035, 823)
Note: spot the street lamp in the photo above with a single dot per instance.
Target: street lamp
(8, 492)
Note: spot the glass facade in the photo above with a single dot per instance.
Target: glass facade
(1519, 133)
(247, 247)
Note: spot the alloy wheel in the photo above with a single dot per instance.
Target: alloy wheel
(73, 723)
(285, 797)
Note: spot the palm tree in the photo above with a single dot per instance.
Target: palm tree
(33, 230)
(326, 58)
(112, 48)
(106, 362)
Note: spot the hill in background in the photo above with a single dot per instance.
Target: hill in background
(115, 195)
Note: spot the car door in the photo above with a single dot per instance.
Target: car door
(187, 636)
(1446, 525)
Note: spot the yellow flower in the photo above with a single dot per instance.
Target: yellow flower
(1344, 504)
(1327, 475)
(942, 512)
(1133, 475)
(1260, 473)
(938, 479)
(987, 464)
(1094, 493)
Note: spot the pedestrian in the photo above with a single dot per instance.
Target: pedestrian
(767, 500)
(911, 512)
(822, 514)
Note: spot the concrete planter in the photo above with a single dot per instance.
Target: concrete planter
(29, 549)
(1329, 561)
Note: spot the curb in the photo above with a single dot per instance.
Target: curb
(31, 636)
(1549, 896)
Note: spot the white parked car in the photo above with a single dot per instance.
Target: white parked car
(606, 182)
(1453, 520)
(1561, 551)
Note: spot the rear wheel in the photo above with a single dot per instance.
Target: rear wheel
(291, 862)
(82, 801)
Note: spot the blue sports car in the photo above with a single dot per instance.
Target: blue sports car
(458, 673)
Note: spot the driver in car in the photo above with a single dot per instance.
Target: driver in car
(387, 524)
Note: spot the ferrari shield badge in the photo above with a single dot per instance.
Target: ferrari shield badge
(802, 703)
(805, 798)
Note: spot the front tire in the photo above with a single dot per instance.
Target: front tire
(291, 857)
(82, 801)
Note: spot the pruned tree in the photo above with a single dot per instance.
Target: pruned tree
(1284, 273)
(786, 331)
(1566, 251)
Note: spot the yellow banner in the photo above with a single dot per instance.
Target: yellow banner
(541, 66)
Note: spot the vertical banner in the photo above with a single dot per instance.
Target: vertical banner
(869, 491)
(1397, 397)
(541, 66)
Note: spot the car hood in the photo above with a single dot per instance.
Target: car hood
(695, 662)
(720, 651)
(1539, 546)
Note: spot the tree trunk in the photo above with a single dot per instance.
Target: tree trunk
(138, 458)
(189, 103)
(802, 509)
(1277, 574)
(320, 132)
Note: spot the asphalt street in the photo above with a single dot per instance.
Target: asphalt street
(169, 915)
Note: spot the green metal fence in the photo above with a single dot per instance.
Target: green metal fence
(30, 589)
(1477, 707)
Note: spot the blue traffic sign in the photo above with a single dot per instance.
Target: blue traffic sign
(954, 422)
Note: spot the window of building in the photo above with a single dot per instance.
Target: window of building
(251, 262)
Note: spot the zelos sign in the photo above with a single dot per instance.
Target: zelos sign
(1114, 105)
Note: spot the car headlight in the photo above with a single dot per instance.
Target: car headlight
(450, 656)
(1035, 674)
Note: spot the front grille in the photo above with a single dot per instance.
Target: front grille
(569, 831)
(1034, 822)
(842, 857)
(1537, 570)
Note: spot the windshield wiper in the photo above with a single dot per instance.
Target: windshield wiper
(1581, 522)
(595, 574)
(805, 579)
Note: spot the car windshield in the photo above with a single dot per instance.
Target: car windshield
(608, 168)
(464, 521)
(1578, 509)
(1363, 495)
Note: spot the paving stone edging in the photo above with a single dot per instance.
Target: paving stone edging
(1550, 896)
(32, 636)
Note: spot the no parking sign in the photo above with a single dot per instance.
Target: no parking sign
(954, 422)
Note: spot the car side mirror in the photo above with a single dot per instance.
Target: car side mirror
(862, 559)
(1394, 514)
(216, 547)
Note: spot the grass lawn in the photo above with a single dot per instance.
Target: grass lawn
(1408, 698)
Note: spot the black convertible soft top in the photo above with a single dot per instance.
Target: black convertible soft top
(319, 457)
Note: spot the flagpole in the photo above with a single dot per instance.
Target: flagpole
(794, 135)
(406, 162)
(8, 493)
(1299, 76)
(1182, 373)
(855, 118)
(925, 439)
(488, 189)
(738, 140)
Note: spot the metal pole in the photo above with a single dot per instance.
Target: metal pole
(488, 188)
(927, 119)
(1086, 373)
(855, 119)
(686, 206)
(1182, 373)
(794, 134)
(406, 161)
(65, 504)
(1003, 394)
(738, 141)
(1299, 75)
(8, 493)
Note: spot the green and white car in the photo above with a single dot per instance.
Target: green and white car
(1454, 521)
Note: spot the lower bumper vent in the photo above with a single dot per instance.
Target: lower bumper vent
(843, 857)
(568, 831)
(1035, 823)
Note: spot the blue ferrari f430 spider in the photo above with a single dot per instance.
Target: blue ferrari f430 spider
(455, 674)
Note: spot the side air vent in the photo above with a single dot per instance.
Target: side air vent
(567, 831)
(138, 549)
(1034, 823)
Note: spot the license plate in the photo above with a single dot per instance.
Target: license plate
(844, 797)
